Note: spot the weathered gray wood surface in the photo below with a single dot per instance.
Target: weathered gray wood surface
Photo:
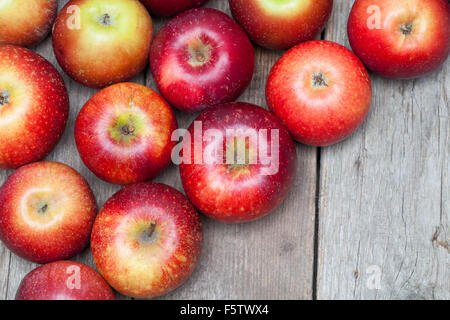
(384, 193)
(383, 202)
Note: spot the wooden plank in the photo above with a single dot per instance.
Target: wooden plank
(268, 259)
(384, 193)
(4, 267)
(271, 258)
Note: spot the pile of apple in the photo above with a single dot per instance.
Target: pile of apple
(146, 239)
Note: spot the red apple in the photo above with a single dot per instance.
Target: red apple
(281, 24)
(123, 133)
(321, 91)
(34, 106)
(47, 211)
(26, 23)
(101, 42)
(400, 39)
(241, 165)
(201, 58)
(64, 280)
(146, 240)
(167, 8)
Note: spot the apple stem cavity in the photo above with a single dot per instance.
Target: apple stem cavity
(151, 229)
(200, 57)
(4, 98)
(128, 129)
(149, 234)
(43, 208)
(318, 80)
(406, 28)
(105, 20)
(238, 155)
(199, 53)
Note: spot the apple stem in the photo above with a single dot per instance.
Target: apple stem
(151, 229)
(4, 98)
(43, 208)
(319, 80)
(128, 129)
(105, 19)
(406, 28)
(199, 53)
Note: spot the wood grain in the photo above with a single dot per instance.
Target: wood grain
(384, 192)
(268, 259)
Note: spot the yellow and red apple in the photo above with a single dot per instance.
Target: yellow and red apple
(321, 91)
(101, 42)
(26, 23)
(400, 39)
(47, 212)
(281, 24)
(146, 240)
(123, 133)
